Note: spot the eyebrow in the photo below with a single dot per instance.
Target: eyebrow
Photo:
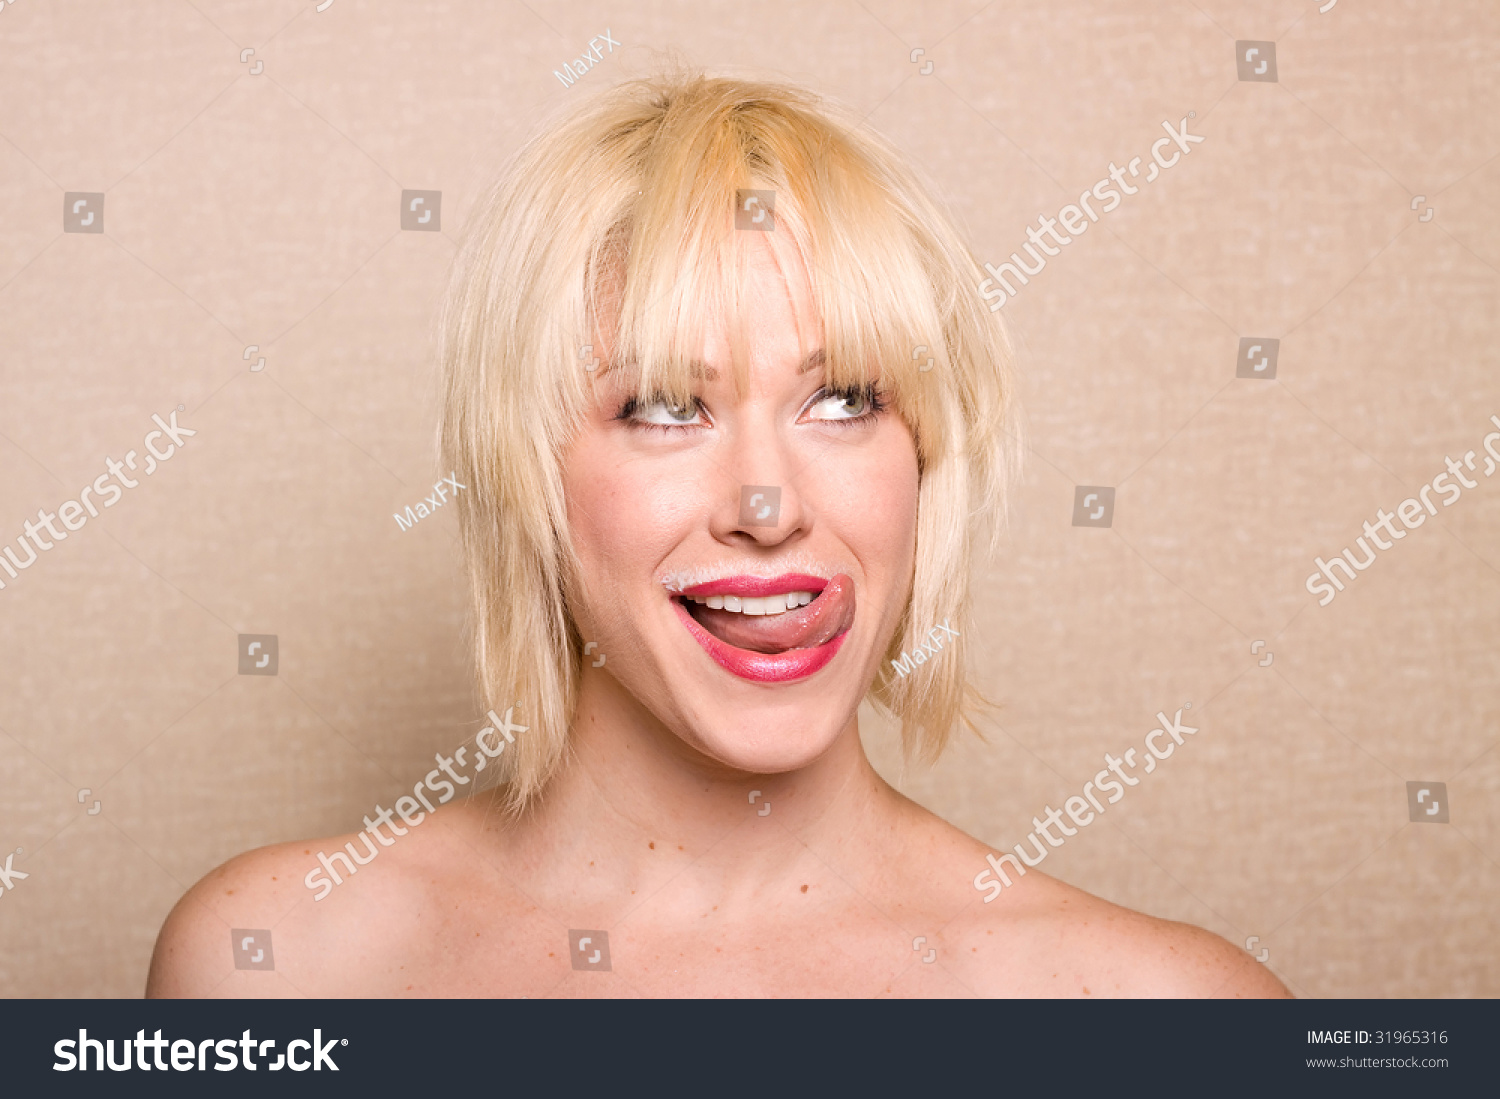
(814, 361)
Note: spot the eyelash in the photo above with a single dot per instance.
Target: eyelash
(870, 392)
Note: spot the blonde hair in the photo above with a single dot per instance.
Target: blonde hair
(621, 212)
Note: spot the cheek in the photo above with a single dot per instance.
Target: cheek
(871, 502)
(624, 517)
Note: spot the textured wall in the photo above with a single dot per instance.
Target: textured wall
(246, 207)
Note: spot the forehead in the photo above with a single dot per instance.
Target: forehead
(775, 313)
(757, 311)
(770, 260)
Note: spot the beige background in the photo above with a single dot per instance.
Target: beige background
(262, 209)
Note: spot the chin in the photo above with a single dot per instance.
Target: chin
(769, 739)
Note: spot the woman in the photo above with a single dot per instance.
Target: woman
(724, 410)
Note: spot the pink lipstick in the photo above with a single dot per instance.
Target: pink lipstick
(767, 646)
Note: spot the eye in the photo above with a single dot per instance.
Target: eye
(660, 412)
(850, 404)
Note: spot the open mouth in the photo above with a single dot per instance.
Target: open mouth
(769, 630)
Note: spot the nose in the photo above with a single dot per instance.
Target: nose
(756, 497)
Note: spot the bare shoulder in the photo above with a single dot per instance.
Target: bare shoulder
(1038, 936)
(293, 919)
(1090, 947)
(195, 951)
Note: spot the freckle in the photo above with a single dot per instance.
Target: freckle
(1086, 991)
(550, 954)
(652, 845)
(804, 889)
(229, 892)
(273, 879)
(409, 988)
(679, 847)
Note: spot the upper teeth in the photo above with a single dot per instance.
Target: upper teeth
(753, 604)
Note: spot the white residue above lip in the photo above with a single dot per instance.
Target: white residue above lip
(797, 561)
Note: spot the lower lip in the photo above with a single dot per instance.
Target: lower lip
(761, 667)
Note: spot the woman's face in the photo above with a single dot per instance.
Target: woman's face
(745, 560)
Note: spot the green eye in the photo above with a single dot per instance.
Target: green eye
(663, 413)
(855, 404)
(850, 405)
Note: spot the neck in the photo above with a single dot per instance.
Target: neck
(630, 783)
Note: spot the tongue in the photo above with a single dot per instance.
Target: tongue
(827, 616)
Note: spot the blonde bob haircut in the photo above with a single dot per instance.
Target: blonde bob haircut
(617, 222)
